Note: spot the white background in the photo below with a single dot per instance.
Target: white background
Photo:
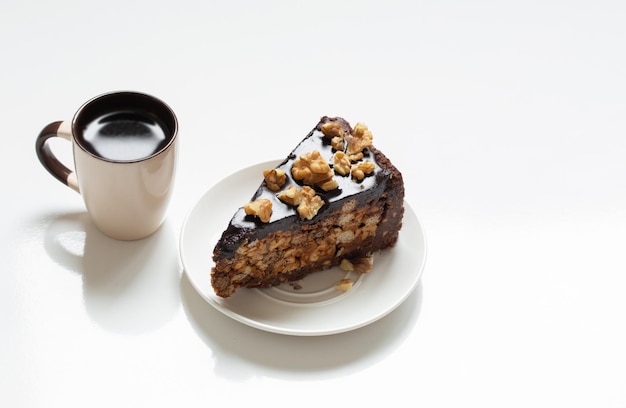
(507, 119)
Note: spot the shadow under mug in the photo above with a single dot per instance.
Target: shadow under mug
(124, 150)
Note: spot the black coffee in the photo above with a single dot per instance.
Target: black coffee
(125, 136)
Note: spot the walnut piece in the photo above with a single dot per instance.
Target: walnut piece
(291, 196)
(333, 129)
(310, 204)
(360, 170)
(261, 208)
(305, 199)
(355, 157)
(336, 133)
(341, 163)
(344, 285)
(275, 179)
(338, 143)
(360, 139)
(313, 170)
(358, 265)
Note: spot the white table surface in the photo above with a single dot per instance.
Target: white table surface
(507, 119)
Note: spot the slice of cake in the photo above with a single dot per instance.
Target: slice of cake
(334, 200)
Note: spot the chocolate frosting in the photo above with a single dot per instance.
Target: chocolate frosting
(284, 217)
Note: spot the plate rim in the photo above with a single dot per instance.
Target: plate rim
(420, 266)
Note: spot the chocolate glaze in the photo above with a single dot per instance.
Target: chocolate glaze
(284, 217)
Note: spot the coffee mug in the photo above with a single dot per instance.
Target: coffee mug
(124, 149)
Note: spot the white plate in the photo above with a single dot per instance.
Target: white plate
(316, 307)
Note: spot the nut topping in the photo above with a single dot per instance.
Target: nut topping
(291, 196)
(275, 179)
(333, 129)
(338, 143)
(261, 208)
(313, 170)
(310, 204)
(341, 163)
(335, 132)
(360, 170)
(356, 157)
(305, 199)
(360, 139)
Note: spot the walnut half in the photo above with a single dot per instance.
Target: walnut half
(261, 208)
(291, 196)
(307, 202)
(341, 163)
(310, 204)
(275, 179)
(360, 139)
(336, 133)
(361, 169)
(313, 170)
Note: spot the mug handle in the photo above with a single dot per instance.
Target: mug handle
(48, 160)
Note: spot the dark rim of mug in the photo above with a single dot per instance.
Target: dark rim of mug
(120, 100)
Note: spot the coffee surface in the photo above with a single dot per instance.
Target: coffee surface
(125, 136)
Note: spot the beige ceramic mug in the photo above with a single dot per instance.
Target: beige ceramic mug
(124, 149)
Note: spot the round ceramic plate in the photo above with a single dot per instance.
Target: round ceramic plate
(312, 306)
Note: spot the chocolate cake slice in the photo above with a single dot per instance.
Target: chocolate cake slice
(335, 200)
